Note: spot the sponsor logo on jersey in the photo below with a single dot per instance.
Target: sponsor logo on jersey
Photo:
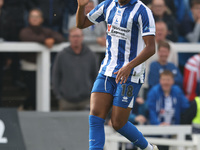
(109, 27)
(119, 32)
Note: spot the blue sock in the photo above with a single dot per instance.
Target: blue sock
(96, 133)
(133, 135)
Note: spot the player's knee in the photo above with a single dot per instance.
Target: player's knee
(97, 112)
(94, 112)
(117, 124)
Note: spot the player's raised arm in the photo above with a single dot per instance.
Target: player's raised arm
(81, 19)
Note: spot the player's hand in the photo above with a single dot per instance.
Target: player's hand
(82, 2)
(123, 74)
(49, 42)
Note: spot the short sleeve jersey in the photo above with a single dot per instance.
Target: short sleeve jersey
(126, 25)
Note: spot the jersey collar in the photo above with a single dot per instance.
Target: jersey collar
(131, 1)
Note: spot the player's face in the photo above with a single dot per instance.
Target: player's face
(35, 18)
(163, 54)
(89, 7)
(161, 31)
(166, 82)
(76, 37)
(1, 3)
(123, 2)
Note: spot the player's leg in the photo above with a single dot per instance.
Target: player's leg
(123, 103)
(100, 105)
(124, 127)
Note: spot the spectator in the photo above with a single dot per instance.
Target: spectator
(95, 33)
(192, 115)
(190, 26)
(53, 11)
(29, 5)
(191, 82)
(74, 72)
(189, 30)
(176, 7)
(70, 10)
(161, 35)
(159, 10)
(166, 102)
(162, 64)
(35, 33)
(180, 8)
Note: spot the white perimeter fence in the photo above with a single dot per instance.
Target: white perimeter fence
(178, 142)
(43, 63)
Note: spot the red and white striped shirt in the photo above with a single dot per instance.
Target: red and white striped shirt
(191, 76)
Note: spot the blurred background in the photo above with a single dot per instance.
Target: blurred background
(48, 66)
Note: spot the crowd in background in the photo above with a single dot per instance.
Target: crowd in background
(180, 16)
(53, 21)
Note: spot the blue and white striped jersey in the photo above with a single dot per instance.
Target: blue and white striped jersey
(125, 27)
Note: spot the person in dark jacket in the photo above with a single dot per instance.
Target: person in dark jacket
(74, 72)
(35, 33)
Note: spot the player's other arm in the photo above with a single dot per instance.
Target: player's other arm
(146, 53)
(81, 19)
